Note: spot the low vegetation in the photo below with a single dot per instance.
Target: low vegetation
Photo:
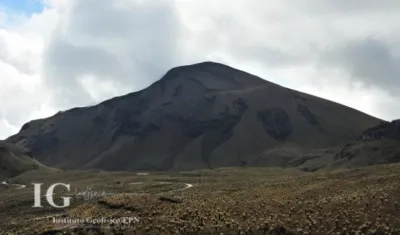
(221, 201)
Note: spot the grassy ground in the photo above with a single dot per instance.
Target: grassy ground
(221, 201)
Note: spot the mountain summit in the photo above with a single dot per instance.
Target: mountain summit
(204, 115)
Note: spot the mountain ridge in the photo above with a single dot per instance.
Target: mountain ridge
(203, 115)
(202, 64)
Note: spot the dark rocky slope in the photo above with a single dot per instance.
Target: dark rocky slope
(379, 144)
(15, 160)
(197, 116)
(385, 130)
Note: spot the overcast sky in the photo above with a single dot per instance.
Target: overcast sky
(58, 54)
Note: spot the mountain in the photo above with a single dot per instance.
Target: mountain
(14, 160)
(203, 115)
(379, 144)
(385, 130)
(350, 155)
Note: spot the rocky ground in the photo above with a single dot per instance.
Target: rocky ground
(221, 201)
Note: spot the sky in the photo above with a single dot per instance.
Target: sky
(22, 6)
(59, 54)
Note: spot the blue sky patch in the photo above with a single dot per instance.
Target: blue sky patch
(22, 6)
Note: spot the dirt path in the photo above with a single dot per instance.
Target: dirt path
(187, 185)
(19, 186)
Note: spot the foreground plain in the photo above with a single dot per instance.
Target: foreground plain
(220, 201)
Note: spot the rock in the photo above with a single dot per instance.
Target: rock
(43, 143)
(386, 130)
(309, 116)
(177, 91)
(275, 122)
(223, 123)
(349, 151)
(393, 129)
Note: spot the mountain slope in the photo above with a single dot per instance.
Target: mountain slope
(196, 116)
(14, 160)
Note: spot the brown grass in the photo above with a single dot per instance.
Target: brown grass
(241, 201)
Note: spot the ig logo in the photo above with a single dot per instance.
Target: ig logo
(49, 195)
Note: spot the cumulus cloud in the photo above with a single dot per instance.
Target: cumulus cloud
(131, 43)
(368, 60)
(22, 98)
(76, 53)
(23, 95)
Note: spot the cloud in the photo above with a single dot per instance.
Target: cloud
(23, 95)
(22, 98)
(77, 53)
(131, 43)
(368, 60)
(6, 128)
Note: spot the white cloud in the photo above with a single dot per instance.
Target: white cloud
(76, 52)
(23, 95)
(98, 89)
(6, 128)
